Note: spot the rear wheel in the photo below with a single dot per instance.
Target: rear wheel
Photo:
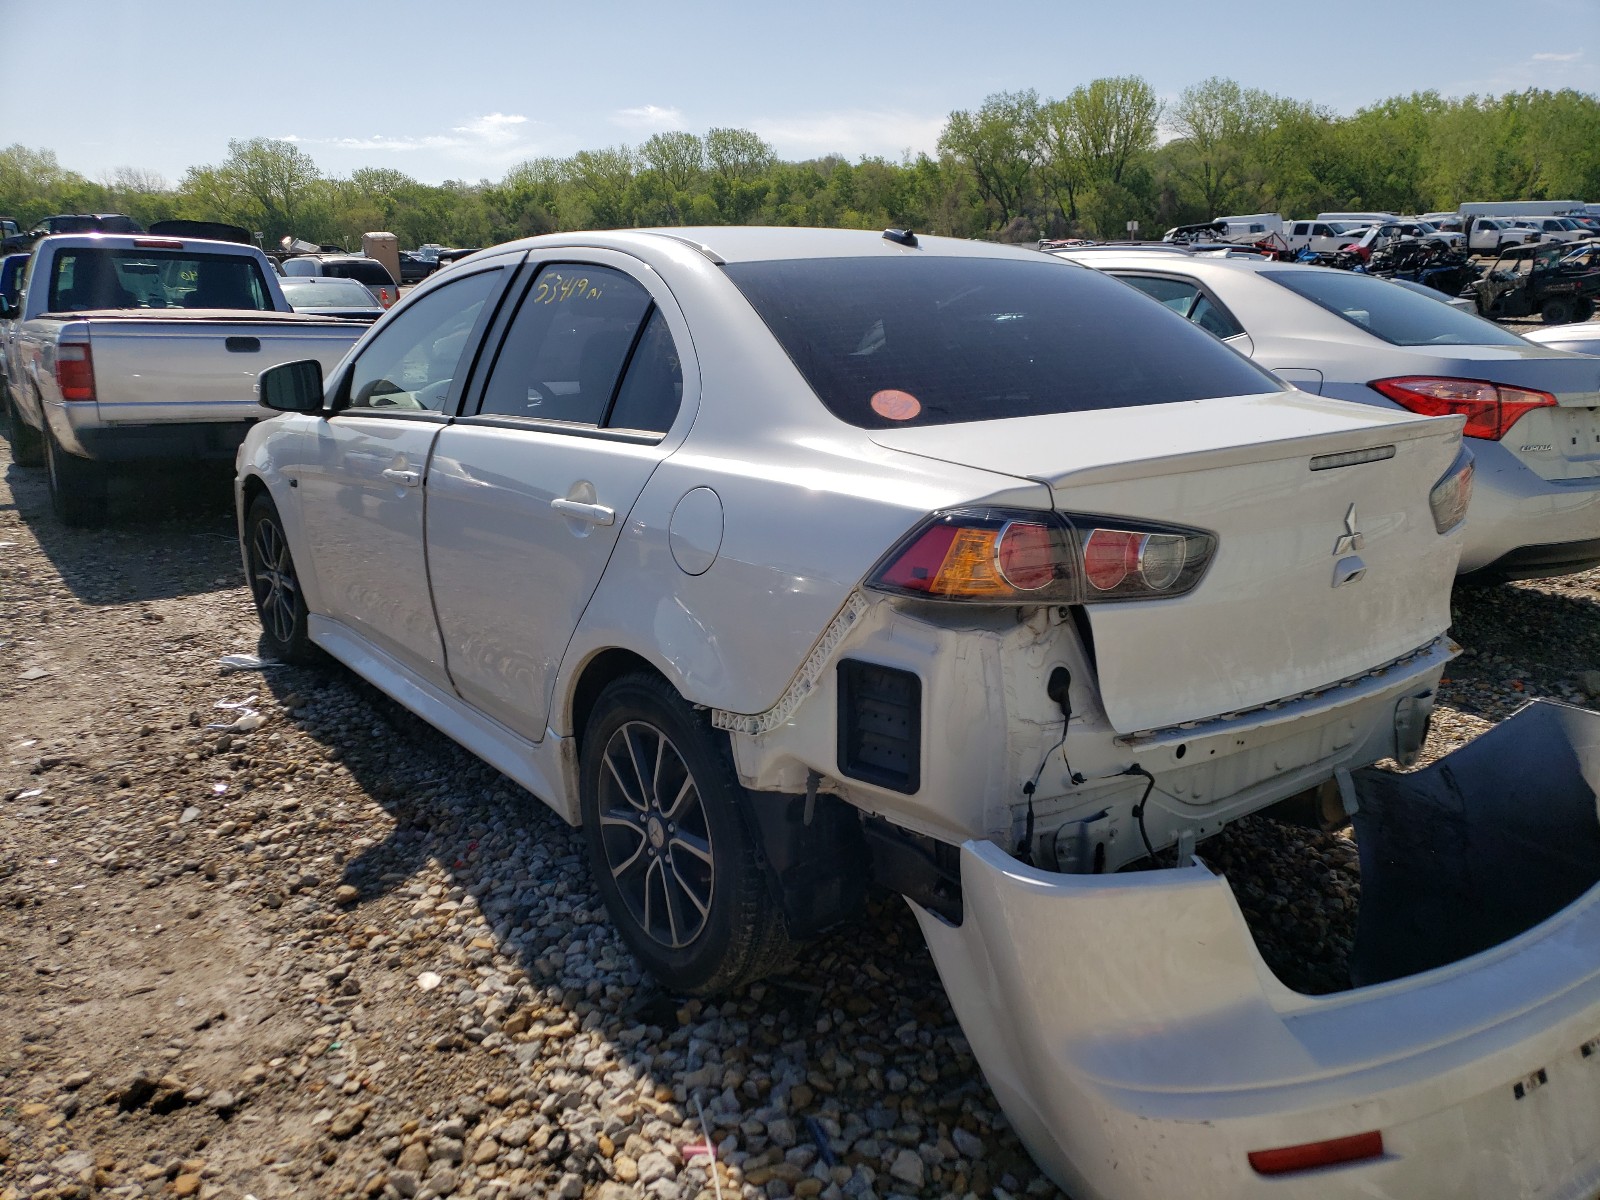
(1583, 310)
(77, 485)
(27, 450)
(1558, 310)
(275, 585)
(668, 842)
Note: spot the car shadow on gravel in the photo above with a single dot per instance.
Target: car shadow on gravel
(166, 536)
(855, 1031)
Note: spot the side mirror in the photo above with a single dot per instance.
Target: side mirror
(292, 386)
(8, 307)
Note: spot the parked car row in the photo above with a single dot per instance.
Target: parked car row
(789, 561)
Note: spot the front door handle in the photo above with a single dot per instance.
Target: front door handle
(595, 514)
(409, 478)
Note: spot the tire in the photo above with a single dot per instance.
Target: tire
(669, 844)
(1583, 311)
(275, 585)
(1558, 310)
(27, 448)
(77, 485)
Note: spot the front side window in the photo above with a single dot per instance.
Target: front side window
(411, 362)
(567, 346)
(92, 278)
(887, 342)
(1399, 317)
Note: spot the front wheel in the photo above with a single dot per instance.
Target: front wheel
(77, 485)
(275, 585)
(1583, 310)
(669, 845)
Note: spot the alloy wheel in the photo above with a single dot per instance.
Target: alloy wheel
(272, 578)
(655, 834)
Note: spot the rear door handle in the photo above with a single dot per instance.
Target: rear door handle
(409, 478)
(595, 514)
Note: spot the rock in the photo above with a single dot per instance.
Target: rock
(1589, 681)
(613, 1191)
(627, 1169)
(570, 1187)
(908, 1168)
(499, 1096)
(486, 1152)
(349, 1121)
(427, 981)
(186, 1185)
(782, 1132)
(413, 1158)
(76, 1080)
(345, 894)
(654, 1166)
(222, 1102)
(969, 1144)
(405, 1182)
(443, 1178)
(514, 1133)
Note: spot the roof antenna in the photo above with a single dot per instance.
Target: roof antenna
(904, 236)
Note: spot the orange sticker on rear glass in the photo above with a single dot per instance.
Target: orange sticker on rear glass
(894, 405)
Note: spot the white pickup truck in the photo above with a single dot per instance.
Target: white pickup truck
(133, 348)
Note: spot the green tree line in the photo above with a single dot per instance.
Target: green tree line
(1017, 167)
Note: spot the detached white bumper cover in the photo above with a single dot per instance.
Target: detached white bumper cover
(1142, 1048)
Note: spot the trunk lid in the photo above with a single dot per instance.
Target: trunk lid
(1267, 621)
(201, 365)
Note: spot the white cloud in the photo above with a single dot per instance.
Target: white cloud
(648, 116)
(1573, 57)
(495, 136)
(851, 132)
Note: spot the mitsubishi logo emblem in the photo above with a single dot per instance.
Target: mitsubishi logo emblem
(1349, 568)
(1351, 539)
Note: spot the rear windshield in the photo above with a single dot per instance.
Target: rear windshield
(1399, 317)
(373, 274)
(326, 293)
(102, 278)
(887, 342)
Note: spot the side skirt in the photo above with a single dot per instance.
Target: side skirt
(536, 766)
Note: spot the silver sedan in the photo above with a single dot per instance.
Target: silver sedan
(1533, 413)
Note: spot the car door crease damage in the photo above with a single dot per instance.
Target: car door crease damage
(978, 575)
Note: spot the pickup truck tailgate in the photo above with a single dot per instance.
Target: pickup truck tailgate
(202, 365)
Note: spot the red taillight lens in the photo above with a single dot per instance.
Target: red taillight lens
(1003, 557)
(1317, 1154)
(1490, 408)
(157, 244)
(1025, 556)
(75, 371)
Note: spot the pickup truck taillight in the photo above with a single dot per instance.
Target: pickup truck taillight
(75, 371)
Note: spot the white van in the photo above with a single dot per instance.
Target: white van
(1521, 208)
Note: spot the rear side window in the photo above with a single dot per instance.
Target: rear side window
(587, 347)
(1399, 317)
(891, 341)
(83, 279)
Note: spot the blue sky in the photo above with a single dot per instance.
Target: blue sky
(465, 91)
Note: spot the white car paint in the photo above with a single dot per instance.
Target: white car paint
(1580, 338)
(734, 552)
(1538, 486)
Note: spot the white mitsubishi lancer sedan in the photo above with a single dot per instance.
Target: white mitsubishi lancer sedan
(786, 560)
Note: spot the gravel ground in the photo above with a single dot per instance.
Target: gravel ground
(308, 947)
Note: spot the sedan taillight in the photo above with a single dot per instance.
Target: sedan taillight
(1490, 408)
(1001, 556)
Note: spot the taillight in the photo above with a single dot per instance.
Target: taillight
(1309, 1155)
(75, 371)
(157, 244)
(1451, 495)
(1000, 556)
(1490, 408)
